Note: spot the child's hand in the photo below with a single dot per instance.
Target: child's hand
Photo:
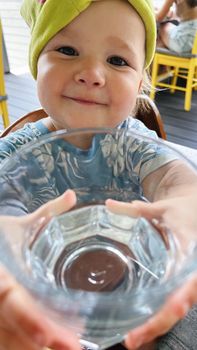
(180, 215)
(175, 308)
(54, 207)
(23, 326)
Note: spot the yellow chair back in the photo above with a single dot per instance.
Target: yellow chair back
(178, 66)
(194, 49)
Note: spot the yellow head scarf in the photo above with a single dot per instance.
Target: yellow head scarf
(47, 17)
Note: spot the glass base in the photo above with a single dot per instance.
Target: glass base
(96, 260)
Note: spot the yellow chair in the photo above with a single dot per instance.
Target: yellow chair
(183, 66)
(3, 96)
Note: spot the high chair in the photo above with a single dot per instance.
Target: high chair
(3, 96)
(149, 116)
(178, 66)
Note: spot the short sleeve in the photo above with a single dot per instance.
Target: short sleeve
(15, 140)
(146, 155)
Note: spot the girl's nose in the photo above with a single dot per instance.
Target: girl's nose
(91, 75)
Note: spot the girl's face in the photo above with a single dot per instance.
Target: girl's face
(90, 73)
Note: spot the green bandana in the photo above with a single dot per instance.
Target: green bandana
(47, 17)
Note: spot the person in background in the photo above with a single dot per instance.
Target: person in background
(178, 35)
(165, 11)
(91, 78)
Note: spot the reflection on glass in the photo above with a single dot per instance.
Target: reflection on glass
(97, 272)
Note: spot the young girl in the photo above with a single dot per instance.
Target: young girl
(89, 59)
(90, 78)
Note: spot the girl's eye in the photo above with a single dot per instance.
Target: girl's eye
(117, 61)
(68, 50)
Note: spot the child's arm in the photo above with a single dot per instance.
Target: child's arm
(180, 214)
(23, 324)
(175, 309)
(172, 180)
(173, 191)
(164, 10)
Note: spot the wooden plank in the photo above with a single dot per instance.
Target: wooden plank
(181, 132)
(180, 126)
(177, 140)
(22, 96)
(24, 85)
(181, 123)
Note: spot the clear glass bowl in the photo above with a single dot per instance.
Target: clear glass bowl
(94, 271)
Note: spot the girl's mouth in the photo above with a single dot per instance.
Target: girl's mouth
(85, 101)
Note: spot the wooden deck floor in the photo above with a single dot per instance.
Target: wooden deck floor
(22, 97)
(180, 126)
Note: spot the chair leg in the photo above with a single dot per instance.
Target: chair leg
(188, 94)
(174, 80)
(3, 103)
(195, 77)
(154, 74)
(5, 117)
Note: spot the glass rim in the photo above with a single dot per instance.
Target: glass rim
(52, 136)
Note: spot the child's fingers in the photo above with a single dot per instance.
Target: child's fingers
(175, 308)
(153, 328)
(10, 341)
(18, 311)
(41, 216)
(136, 208)
(187, 293)
(20, 315)
(54, 207)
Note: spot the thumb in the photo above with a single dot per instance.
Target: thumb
(52, 208)
(136, 208)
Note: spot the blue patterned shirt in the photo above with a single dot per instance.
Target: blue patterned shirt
(115, 163)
